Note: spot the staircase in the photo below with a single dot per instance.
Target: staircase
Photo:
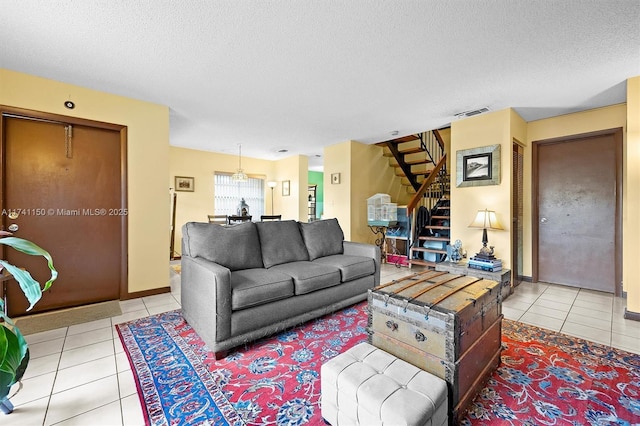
(420, 161)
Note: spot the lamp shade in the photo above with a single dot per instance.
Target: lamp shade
(271, 184)
(486, 219)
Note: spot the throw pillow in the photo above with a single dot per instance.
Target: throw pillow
(281, 242)
(235, 247)
(322, 238)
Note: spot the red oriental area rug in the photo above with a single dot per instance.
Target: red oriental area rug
(545, 378)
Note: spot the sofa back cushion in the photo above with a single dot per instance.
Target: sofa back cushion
(281, 242)
(322, 238)
(234, 247)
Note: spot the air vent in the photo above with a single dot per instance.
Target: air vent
(472, 112)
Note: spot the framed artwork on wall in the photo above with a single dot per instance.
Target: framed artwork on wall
(286, 188)
(184, 183)
(478, 166)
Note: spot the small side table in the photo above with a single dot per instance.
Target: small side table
(381, 241)
(503, 276)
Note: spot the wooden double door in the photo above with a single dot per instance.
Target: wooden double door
(63, 187)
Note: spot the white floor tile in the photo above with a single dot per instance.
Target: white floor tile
(566, 299)
(626, 327)
(89, 326)
(86, 353)
(42, 365)
(605, 306)
(88, 337)
(127, 384)
(511, 313)
(158, 299)
(46, 336)
(587, 332)
(81, 374)
(583, 308)
(600, 322)
(82, 399)
(122, 362)
(33, 389)
(27, 414)
(518, 304)
(553, 304)
(129, 316)
(153, 310)
(107, 415)
(45, 348)
(626, 343)
(132, 305)
(132, 411)
(548, 312)
(550, 323)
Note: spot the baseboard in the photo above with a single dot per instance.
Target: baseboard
(525, 279)
(146, 293)
(635, 316)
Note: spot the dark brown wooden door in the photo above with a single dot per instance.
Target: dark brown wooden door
(578, 211)
(67, 192)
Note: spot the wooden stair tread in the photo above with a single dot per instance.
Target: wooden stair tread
(437, 227)
(428, 250)
(434, 239)
(413, 150)
(416, 162)
(440, 217)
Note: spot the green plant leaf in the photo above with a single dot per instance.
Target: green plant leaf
(29, 286)
(33, 249)
(12, 350)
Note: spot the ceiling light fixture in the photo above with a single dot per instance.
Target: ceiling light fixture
(239, 175)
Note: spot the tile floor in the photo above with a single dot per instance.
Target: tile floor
(80, 375)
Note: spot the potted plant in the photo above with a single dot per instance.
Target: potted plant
(14, 352)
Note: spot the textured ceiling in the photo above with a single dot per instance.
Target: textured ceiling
(301, 75)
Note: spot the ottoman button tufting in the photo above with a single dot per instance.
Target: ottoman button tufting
(366, 385)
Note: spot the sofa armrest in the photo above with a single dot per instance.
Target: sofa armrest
(367, 250)
(205, 293)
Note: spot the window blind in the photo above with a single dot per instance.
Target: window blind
(227, 195)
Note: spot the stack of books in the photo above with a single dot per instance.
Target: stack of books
(489, 265)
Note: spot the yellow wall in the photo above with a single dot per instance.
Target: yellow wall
(364, 172)
(631, 197)
(295, 169)
(483, 130)
(147, 162)
(202, 165)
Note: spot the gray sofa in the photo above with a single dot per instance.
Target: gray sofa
(246, 281)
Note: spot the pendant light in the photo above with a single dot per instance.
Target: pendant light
(239, 175)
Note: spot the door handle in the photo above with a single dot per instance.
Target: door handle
(543, 220)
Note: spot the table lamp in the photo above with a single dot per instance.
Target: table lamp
(486, 219)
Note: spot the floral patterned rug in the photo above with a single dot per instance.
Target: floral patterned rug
(545, 378)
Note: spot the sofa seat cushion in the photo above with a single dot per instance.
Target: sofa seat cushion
(281, 242)
(322, 237)
(235, 247)
(252, 287)
(351, 267)
(309, 276)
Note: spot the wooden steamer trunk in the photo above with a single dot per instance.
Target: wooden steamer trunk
(447, 324)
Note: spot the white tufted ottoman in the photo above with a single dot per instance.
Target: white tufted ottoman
(368, 386)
